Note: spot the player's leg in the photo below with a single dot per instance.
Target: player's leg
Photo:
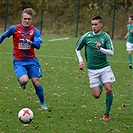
(96, 91)
(130, 59)
(95, 84)
(34, 73)
(129, 50)
(23, 80)
(39, 91)
(107, 77)
(21, 74)
(101, 87)
(109, 100)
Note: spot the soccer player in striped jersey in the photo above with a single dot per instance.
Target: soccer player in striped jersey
(26, 38)
(129, 43)
(97, 45)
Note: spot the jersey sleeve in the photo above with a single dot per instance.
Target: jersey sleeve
(109, 44)
(37, 39)
(106, 51)
(8, 33)
(81, 43)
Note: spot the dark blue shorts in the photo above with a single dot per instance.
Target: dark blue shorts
(30, 67)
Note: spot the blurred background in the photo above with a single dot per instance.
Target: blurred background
(69, 17)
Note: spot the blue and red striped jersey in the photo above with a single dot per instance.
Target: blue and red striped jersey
(21, 49)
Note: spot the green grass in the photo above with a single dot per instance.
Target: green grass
(72, 108)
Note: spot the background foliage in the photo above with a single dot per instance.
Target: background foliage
(60, 16)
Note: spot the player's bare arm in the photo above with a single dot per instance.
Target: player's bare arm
(126, 36)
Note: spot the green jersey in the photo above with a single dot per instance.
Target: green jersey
(130, 35)
(95, 59)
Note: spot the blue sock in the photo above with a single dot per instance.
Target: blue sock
(40, 93)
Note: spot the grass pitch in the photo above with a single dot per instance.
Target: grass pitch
(72, 108)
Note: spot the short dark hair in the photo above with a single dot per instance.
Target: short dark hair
(131, 16)
(97, 18)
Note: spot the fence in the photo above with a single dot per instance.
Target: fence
(73, 20)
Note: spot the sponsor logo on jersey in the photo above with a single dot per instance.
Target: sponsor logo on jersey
(24, 46)
(31, 32)
(102, 40)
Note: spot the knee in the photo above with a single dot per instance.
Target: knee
(108, 87)
(109, 91)
(129, 53)
(96, 92)
(23, 80)
(35, 82)
(96, 96)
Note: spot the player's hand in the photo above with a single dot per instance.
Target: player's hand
(28, 41)
(98, 45)
(81, 65)
(131, 31)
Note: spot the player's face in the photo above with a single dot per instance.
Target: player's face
(130, 21)
(96, 26)
(26, 20)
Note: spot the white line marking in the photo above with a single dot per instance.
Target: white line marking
(6, 53)
(57, 57)
(58, 39)
(64, 57)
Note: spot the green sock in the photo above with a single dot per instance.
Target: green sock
(109, 100)
(101, 87)
(130, 59)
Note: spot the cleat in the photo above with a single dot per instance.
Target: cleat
(23, 87)
(106, 117)
(44, 106)
(130, 66)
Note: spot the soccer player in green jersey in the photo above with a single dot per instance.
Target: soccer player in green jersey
(97, 45)
(129, 43)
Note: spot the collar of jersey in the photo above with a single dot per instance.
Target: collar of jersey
(96, 33)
